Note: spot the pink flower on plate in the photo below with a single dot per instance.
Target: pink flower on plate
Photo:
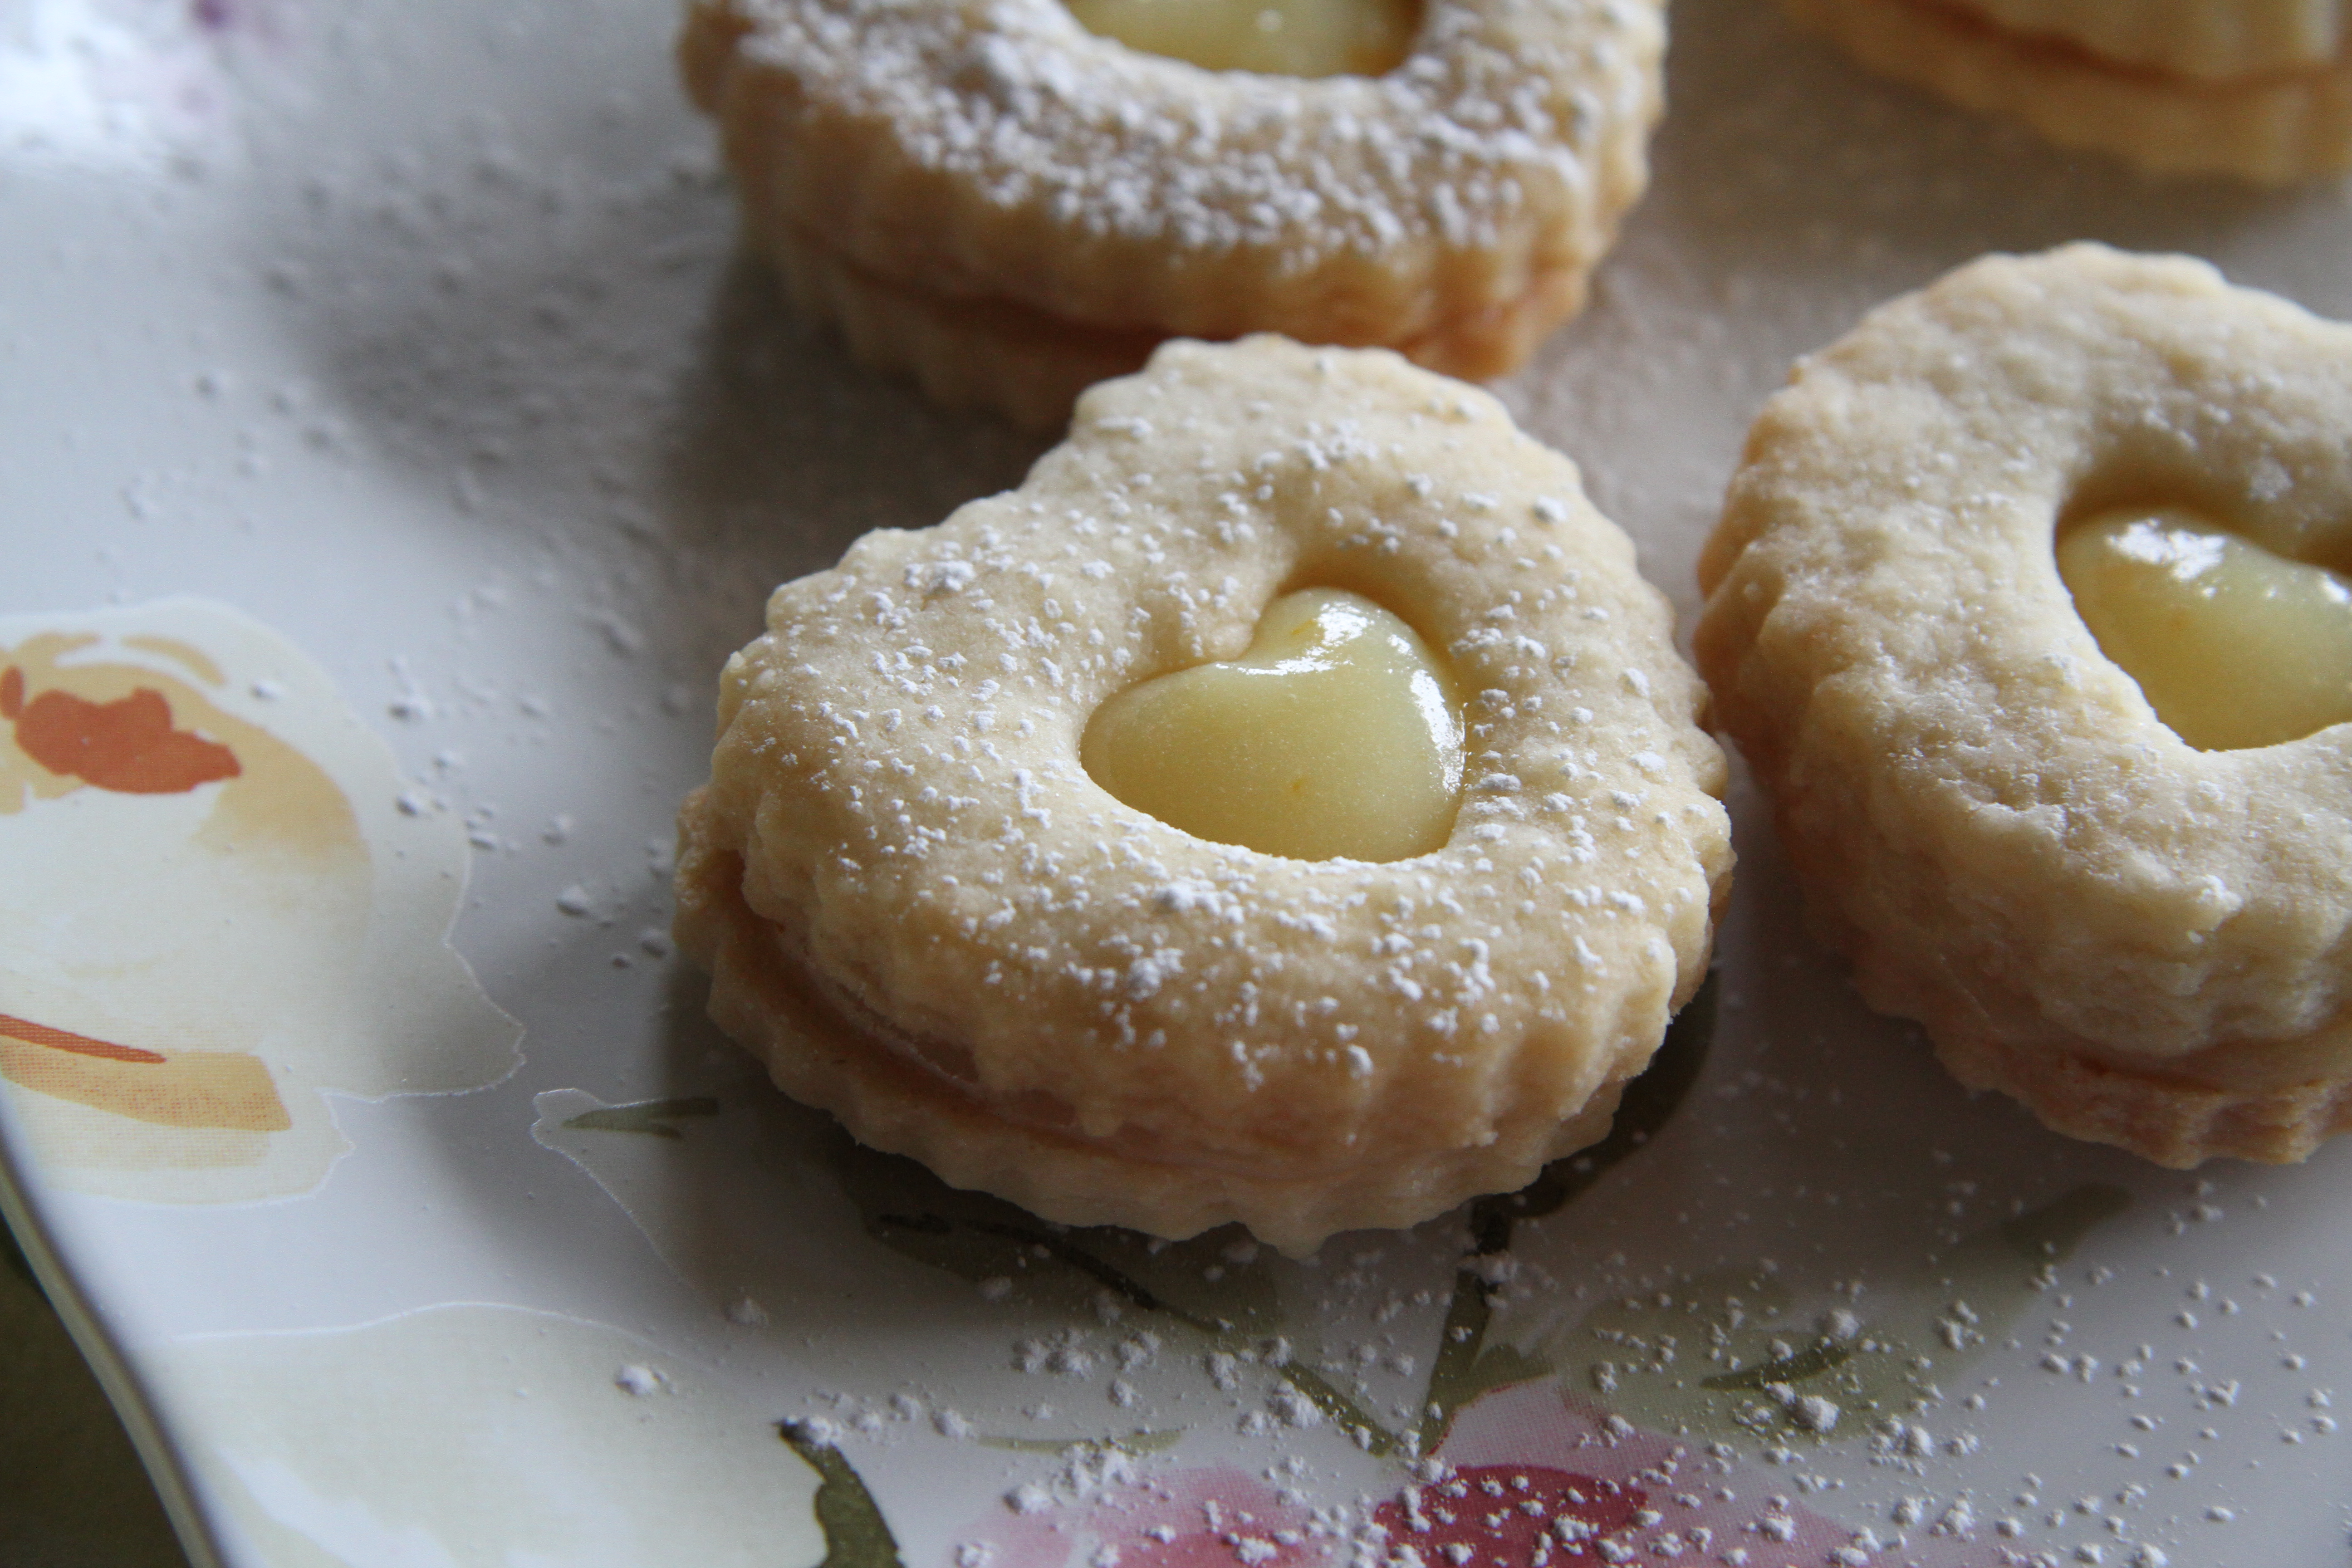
(1515, 1514)
(1684, 1508)
(1528, 1477)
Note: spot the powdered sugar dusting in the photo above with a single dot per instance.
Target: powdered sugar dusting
(1513, 129)
(920, 749)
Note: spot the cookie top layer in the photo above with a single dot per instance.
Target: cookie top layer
(898, 771)
(2006, 837)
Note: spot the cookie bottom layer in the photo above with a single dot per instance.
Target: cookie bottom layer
(1030, 365)
(2273, 1101)
(764, 997)
(2173, 1121)
(2270, 129)
(2204, 40)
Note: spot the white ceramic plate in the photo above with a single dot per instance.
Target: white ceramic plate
(377, 387)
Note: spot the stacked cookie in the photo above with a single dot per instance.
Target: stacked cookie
(2112, 882)
(939, 899)
(2259, 90)
(1010, 207)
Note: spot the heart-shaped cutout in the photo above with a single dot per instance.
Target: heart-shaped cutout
(1274, 37)
(1337, 735)
(2235, 646)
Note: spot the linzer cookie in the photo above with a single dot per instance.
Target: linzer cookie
(2261, 91)
(2027, 607)
(1285, 807)
(1009, 206)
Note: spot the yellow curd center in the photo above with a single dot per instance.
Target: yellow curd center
(1336, 734)
(2233, 644)
(1275, 37)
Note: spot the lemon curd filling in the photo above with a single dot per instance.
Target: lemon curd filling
(2233, 644)
(1337, 735)
(1274, 37)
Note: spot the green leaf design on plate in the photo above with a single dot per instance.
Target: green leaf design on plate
(1220, 1286)
(976, 1237)
(856, 1534)
(1791, 1369)
(1464, 1369)
(1720, 1354)
(652, 1116)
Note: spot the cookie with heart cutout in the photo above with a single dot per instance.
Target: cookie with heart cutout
(1008, 204)
(2028, 606)
(925, 912)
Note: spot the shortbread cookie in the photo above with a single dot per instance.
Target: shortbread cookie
(1031, 367)
(2267, 126)
(2142, 940)
(1044, 196)
(2204, 40)
(929, 918)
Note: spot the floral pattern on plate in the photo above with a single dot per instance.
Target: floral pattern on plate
(214, 910)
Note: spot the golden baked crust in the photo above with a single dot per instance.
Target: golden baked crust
(1030, 366)
(929, 921)
(2145, 942)
(2269, 128)
(2210, 40)
(1451, 209)
(991, 354)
